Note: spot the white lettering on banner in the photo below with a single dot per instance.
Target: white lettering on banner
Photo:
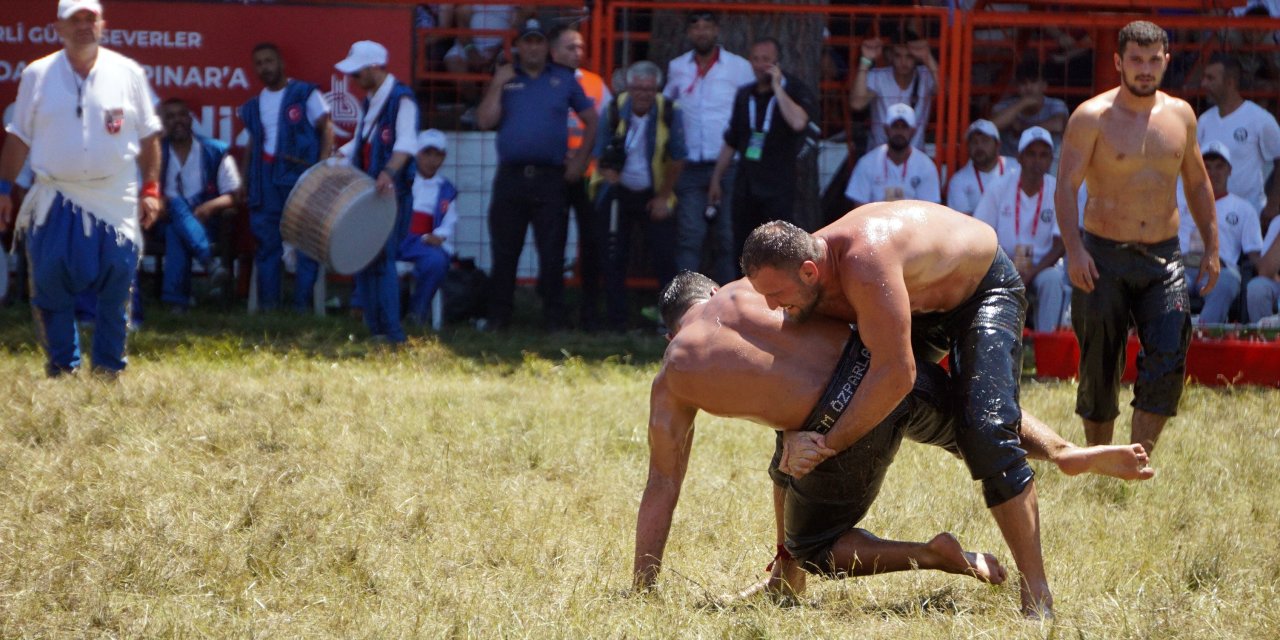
(11, 71)
(12, 34)
(152, 39)
(184, 77)
(48, 34)
(209, 116)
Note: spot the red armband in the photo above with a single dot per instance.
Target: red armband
(782, 554)
(150, 190)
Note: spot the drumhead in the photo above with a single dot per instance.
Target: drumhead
(361, 232)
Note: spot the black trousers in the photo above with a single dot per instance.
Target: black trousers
(524, 195)
(589, 242)
(632, 214)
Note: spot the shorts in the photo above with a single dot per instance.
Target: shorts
(830, 500)
(983, 336)
(1142, 285)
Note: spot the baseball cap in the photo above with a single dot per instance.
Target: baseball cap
(985, 127)
(1216, 148)
(532, 27)
(68, 8)
(901, 112)
(432, 139)
(365, 53)
(1034, 134)
(702, 14)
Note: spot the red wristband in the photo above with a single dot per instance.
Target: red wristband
(782, 554)
(150, 190)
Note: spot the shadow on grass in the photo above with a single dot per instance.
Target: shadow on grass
(340, 336)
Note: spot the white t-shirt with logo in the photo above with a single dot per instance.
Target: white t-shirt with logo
(1036, 222)
(1253, 138)
(966, 186)
(90, 158)
(880, 81)
(877, 179)
(269, 110)
(192, 174)
(1239, 229)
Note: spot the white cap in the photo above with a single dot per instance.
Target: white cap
(900, 112)
(1216, 148)
(985, 127)
(434, 139)
(1034, 134)
(365, 53)
(68, 8)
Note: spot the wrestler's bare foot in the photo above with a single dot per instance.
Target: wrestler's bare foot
(1124, 461)
(1037, 602)
(767, 590)
(952, 558)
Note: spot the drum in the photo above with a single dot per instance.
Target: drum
(335, 215)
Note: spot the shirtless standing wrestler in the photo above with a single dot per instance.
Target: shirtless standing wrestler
(1130, 144)
(731, 356)
(921, 281)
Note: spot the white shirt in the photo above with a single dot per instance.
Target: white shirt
(880, 81)
(1035, 224)
(635, 171)
(1239, 229)
(406, 123)
(91, 159)
(269, 110)
(707, 101)
(425, 193)
(877, 179)
(1253, 138)
(192, 174)
(966, 187)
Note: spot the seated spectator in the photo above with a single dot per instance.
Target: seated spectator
(434, 16)
(1247, 131)
(984, 168)
(198, 178)
(1263, 293)
(909, 79)
(1027, 228)
(642, 150)
(477, 53)
(429, 243)
(1238, 232)
(895, 170)
(1030, 108)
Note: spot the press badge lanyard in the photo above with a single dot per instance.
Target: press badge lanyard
(701, 72)
(755, 146)
(1017, 214)
(979, 174)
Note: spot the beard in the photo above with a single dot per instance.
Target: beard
(899, 142)
(803, 312)
(703, 48)
(1138, 91)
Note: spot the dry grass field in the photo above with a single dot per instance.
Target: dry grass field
(271, 477)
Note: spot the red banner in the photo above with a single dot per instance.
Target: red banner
(202, 51)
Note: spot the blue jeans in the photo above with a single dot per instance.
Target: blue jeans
(694, 232)
(185, 237)
(65, 262)
(1219, 301)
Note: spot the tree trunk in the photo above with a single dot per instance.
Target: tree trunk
(802, 42)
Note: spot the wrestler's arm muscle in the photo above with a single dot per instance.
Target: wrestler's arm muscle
(670, 441)
(1077, 149)
(1199, 192)
(878, 293)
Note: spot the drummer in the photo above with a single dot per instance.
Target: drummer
(384, 143)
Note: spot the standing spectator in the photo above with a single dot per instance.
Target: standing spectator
(984, 168)
(199, 179)
(1263, 292)
(895, 170)
(1028, 230)
(429, 242)
(385, 141)
(1250, 134)
(1030, 108)
(84, 216)
(642, 151)
(289, 130)
(705, 81)
(909, 79)
(527, 103)
(567, 47)
(1238, 233)
(767, 129)
(478, 52)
